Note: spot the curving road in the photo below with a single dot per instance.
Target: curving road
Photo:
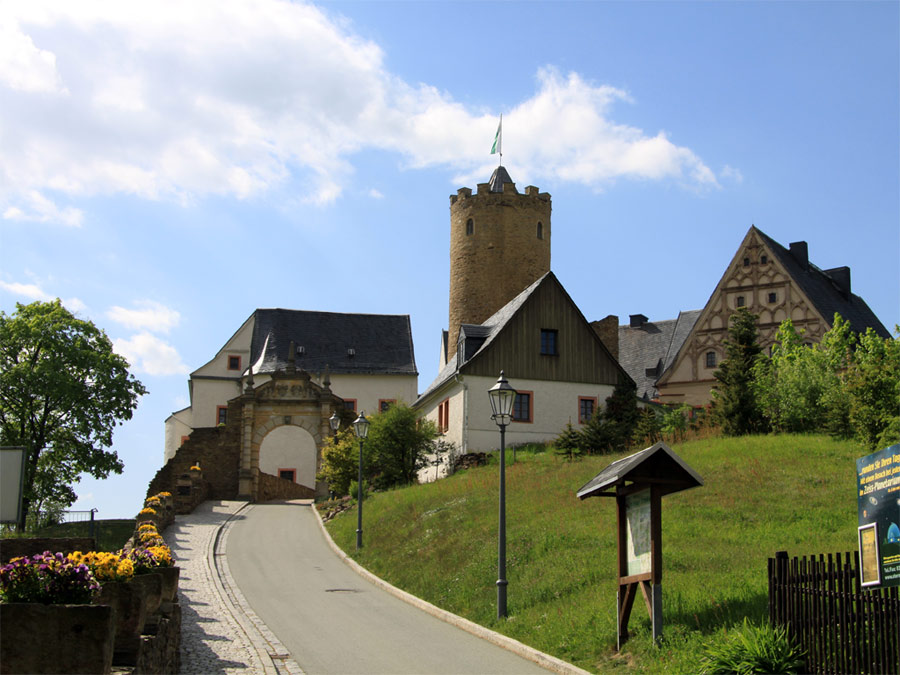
(335, 622)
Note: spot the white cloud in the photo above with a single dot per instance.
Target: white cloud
(375, 193)
(149, 354)
(732, 174)
(37, 208)
(32, 292)
(178, 101)
(149, 315)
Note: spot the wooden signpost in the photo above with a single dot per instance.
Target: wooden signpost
(638, 483)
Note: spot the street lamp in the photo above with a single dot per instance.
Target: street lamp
(361, 426)
(502, 398)
(334, 422)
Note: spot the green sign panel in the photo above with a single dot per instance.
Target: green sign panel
(878, 487)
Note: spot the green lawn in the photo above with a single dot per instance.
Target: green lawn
(761, 494)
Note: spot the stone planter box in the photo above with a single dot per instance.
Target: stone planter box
(133, 601)
(169, 577)
(56, 638)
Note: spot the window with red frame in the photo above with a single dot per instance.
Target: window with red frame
(444, 416)
(523, 407)
(221, 414)
(234, 362)
(586, 407)
(385, 403)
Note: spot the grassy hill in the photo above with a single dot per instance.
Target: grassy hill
(761, 494)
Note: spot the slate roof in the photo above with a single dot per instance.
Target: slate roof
(656, 464)
(382, 343)
(499, 177)
(825, 293)
(653, 345)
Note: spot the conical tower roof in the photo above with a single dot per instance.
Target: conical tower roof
(499, 177)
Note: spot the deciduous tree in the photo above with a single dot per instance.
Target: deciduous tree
(63, 390)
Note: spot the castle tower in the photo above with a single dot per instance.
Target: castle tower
(499, 245)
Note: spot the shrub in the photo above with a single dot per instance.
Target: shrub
(340, 461)
(752, 649)
(568, 443)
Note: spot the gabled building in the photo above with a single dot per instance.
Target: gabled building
(367, 359)
(550, 354)
(771, 281)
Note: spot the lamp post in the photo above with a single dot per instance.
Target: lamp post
(502, 398)
(361, 426)
(334, 422)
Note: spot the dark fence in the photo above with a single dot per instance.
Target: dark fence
(843, 627)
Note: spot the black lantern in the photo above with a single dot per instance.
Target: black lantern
(361, 426)
(502, 397)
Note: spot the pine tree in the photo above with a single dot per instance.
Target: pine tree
(734, 403)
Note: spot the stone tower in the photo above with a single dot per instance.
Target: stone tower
(499, 245)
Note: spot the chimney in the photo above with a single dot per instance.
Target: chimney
(800, 251)
(608, 331)
(841, 277)
(636, 320)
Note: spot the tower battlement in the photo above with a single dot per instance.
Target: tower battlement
(499, 245)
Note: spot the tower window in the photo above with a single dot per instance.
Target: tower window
(540, 230)
(740, 301)
(470, 226)
(710, 359)
(548, 342)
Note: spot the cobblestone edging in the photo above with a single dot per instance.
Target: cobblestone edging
(220, 633)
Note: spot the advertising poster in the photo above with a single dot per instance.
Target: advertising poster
(878, 487)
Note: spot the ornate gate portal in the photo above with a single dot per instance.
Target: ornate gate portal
(288, 417)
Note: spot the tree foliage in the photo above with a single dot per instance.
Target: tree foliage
(397, 447)
(610, 429)
(63, 390)
(734, 401)
(399, 443)
(872, 386)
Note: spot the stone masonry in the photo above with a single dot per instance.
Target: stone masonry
(504, 249)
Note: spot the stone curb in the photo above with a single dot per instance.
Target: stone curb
(544, 660)
(272, 656)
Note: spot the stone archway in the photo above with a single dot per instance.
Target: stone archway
(284, 418)
(290, 448)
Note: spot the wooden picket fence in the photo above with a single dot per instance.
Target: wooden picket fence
(843, 627)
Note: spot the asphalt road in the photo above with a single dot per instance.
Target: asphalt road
(332, 620)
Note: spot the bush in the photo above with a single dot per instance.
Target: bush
(340, 461)
(752, 649)
(568, 443)
(398, 444)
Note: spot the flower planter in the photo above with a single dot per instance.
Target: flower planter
(151, 586)
(169, 577)
(130, 601)
(56, 638)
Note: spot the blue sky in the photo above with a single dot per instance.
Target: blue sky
(166, 168)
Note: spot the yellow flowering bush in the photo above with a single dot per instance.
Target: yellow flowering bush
(147, 537)
(147, 512)
(105, 566)
(146, 527)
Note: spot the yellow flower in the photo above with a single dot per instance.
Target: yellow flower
(164, 494)
(147, 512)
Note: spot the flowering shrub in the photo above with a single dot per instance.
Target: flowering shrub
(146, 527)
(146, 512)
(105, 566)
(148, 537)
(149, 559)
(47, 578)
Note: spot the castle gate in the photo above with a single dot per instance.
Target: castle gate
(284, 423)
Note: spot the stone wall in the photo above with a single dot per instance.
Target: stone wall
(501, 256)
(274, 488)
(17, 548)
(216, 450)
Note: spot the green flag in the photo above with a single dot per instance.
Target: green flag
(498, 139)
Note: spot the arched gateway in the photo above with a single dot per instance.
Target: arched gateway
(269, 448)
(283, 424)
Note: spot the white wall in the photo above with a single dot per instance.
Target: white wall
(369, 389)
(289, 447)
